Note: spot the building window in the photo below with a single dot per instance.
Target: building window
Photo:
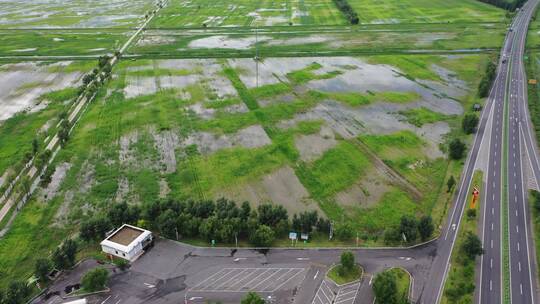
(123, 254)
(116, 251)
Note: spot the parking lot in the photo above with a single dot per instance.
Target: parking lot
(247, 279)
(329, 293)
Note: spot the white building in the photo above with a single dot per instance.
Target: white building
(127, 242)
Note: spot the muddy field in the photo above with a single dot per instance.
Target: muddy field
(23, 84)
(78, 13)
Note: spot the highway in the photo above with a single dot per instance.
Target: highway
(504, 209)
(488, 146)
(522, 271)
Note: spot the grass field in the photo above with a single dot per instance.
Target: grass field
(247, 13)
(425, 11)
(60, 42)
(321, 12)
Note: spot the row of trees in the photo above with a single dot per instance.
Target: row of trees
(347, 10)
(487, 80)
(409, 230)
(505, 4)
(220, 221)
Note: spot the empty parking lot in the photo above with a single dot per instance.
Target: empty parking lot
(247, 279)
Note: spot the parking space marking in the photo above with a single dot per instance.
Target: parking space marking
(345, 294)
(321, 297)
(244, 279)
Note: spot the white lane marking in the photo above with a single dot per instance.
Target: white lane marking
(519, 266)
(107, 299)
(491, 226)
(521, 288)
(517, 228)
(492, 210)
(491, 263)
(518, 246)
(492, 244)
(490, 285)
(315, 276)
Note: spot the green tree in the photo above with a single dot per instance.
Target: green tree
(451, 183)
(35, 146)
(344, 231)
(472, 246)
(385, 288)
(95, 279)
(456, 149)
(262, 237)
(426, 227)
(409, 228)
(166, 223)
(252, 298)
(347, 262)
(16, 293)
(469, 123)
(42, 268)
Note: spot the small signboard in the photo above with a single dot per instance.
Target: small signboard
(304, 236)
(292, 235)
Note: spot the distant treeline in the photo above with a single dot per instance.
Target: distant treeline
(348, 11)
(504, 4)
(487, 80)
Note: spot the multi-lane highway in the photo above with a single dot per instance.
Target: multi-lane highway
(522, 281)
(504, 190)
(505, 224)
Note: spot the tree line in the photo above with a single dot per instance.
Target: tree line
(347, 10)
(505, 4)
(220, 221)
(487, 80)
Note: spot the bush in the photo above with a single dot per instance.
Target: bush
(347, 10)
(344, 231)
(457, 149)
(252, 298)
(95, 280)
(469, 123)
(472, 246)
(385, 288)
(426, 227)
(42, 268)
(347, 261)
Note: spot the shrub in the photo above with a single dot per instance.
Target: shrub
(95, 279)
(347, 10)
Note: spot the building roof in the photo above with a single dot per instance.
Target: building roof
(125, 238)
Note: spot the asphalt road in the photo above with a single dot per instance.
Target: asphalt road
(522, 280)
(508, 87)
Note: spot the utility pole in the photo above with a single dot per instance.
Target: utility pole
(257, 54)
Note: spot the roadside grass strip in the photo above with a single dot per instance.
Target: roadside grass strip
(247, 279)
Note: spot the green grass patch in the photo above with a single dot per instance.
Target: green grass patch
(356, 99)
(307, 74)
(351, 275)
(336, 170)
(270, 90)
(421, 116)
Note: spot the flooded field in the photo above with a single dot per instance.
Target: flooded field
(72, 14)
